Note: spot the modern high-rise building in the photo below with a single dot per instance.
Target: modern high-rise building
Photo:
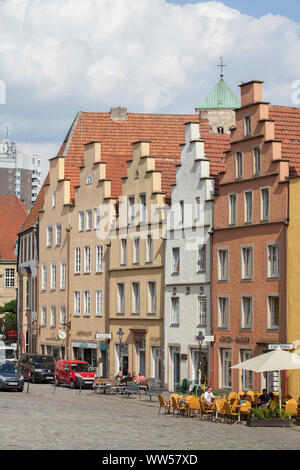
(20, 174)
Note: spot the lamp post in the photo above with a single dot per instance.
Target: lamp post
(200, 338)
(120, 333)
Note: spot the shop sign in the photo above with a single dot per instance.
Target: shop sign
(102, 346)
(103, 335)
(209, 339)
(281, 346)
(183, 357)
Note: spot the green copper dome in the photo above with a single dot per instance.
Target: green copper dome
(220, 97)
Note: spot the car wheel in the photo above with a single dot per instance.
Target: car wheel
(57, 383)
(72, 384)
(20, 389)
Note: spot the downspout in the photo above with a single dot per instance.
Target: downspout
(68, 269)
(107, 305)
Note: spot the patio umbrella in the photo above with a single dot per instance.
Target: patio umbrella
(275, 360)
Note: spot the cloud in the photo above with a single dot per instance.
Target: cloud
(59, 57)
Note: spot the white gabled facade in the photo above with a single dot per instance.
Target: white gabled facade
(187, 284)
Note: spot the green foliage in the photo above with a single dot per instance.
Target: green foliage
(269, 412)
(9, 312)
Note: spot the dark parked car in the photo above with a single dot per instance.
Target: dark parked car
(10, 377)
(39, 366)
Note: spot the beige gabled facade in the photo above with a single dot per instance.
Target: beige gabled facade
(73, 262)
(136, 269)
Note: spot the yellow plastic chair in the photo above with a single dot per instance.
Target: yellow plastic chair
(229, 413)
(181, 409)
(194, 406)
(232, 396)
(292, 407)
(163, 404)
(241, 394)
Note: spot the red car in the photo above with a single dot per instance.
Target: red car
(74, 373)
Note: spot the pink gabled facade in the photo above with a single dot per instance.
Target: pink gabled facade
(249, 246)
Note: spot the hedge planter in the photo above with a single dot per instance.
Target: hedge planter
(269, 423)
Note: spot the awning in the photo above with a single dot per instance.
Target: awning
(84, 345)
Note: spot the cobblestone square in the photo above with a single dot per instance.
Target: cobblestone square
(62, 419)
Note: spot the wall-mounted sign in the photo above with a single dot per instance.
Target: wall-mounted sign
(281, 346)
(103, 335)
(209, 339)
(183, 357)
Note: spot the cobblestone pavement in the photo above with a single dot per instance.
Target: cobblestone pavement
(65, 419)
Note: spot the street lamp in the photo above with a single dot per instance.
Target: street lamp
(200, 338)
(120, 333)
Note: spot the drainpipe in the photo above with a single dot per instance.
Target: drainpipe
(286, 224)
(107, 304)
(68, 269)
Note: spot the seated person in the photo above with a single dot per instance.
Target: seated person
(208, 397)
(119, 375)
(141, 378)
(264, 398)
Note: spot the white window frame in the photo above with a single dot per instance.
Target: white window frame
(270, 324)
(77, 303)
(245, 274)
(232, 214)
(9, 281)
(239, 157)
(226, 363)
(80, 221)
(175, 260)
(97, 218)
(77, 260)
(120, 300)
(246, 322)
(88, 219)
(202, 311)
(99, 258)
(86, 303)
(149, 248)
(247, 219)
(58, 235)
(43, 316)
(63, 272)
(223, 316)
(49, 236)
(264, 215)
(256, 161)
(53, 279)
(247, 125)
(152, 297)
(52, 316)
(201, 258)
(271, 273)
(87, 259)
(174, 312)
(135, 297)
(44, 276)
(131, 209)
(123, 251)
(136, 250)
(62, 314)
(99, 303)
(223, 264)
(143, 208)
(53, 199)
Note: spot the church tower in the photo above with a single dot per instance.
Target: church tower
(218, 107)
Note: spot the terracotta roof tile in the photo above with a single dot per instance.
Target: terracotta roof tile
(13, 214)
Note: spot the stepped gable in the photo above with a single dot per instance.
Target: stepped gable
(36, 208)
(287, 129)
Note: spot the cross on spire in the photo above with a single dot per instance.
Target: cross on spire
(222, 67)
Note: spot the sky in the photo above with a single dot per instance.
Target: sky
(58, 57)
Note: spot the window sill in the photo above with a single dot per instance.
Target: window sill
(270, 279)
(174, 325)
(250, 279)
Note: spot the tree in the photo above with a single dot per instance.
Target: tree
(9, 312)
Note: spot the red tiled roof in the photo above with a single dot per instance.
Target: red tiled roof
(36, 208)
(13, 214)
(165, 132)
(287, 129)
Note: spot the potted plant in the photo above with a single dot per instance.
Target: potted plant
(269, 416)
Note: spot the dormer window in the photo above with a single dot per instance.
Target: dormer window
(220, 130)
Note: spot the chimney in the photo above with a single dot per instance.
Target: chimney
(118, 114)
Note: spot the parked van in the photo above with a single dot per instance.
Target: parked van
(74, 373)
(8, 352)
(39, 367)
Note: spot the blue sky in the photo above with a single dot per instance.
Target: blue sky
(258, 8)
(58, 57)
